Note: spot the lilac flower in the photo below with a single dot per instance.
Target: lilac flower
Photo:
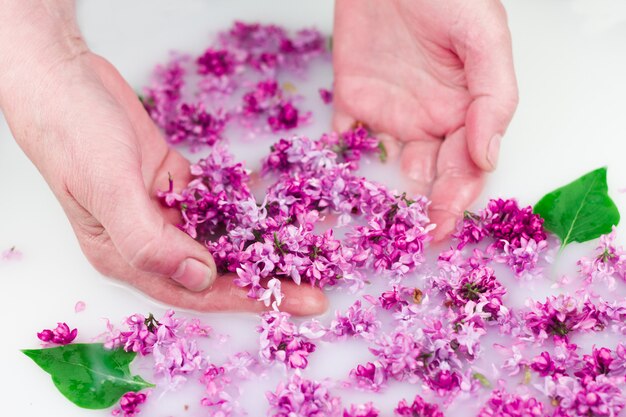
(302, 397)
(326, 95)
(370, 376)
(163, 97)
(280, 341)
(129, 404)
(61, 335)
(561, 315)
(216, 62)
(141, 335)
(544, 365)
(351, 144)
(598, 363)
(505, 221)
(174, 361)
(195, 125)
(392, 299)
(585, 397)
(419, 408)
(504, 404)
(265, 95)
(517, 234)
(285, 116)
(361, 410)
(358, 321)
(609, 263)
(618, 365)
(196, 328)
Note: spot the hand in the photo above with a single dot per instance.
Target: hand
(86, 131)
(436, 76)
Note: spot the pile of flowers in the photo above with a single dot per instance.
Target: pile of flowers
(236, 79)
(321, 223)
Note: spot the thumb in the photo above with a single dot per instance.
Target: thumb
(149, 243)
(487, 56)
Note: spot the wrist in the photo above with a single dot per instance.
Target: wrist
(36, 36)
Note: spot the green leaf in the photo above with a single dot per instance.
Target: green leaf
(581, 210)
(482, 379)
(89, 375)
(382, 152)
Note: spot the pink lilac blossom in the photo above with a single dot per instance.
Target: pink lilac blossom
(608, 264)
(561, 315)
(326, 95)
(224, 69)
(79, 307)
(276, 239)
(357, 321)
(517, 234)
(281, 341)
(61, 335)
(302, 397)
(361, 410)
(419, 408)
(129, 404)
(585, 397)
(504, 404)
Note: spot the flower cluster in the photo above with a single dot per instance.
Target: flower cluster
(303, 397)
(502, 403)
(61, 335)
(419, 408)
(129, 404)
(357, 321)
(561, 315)
(222, 74)
(277, 238)
(361, 410)
(281, 341)
(517, 234)
(608, 264)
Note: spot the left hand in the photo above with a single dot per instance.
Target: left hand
(436, 76)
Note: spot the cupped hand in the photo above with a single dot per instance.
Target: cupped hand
(436, 77)
(86, 131)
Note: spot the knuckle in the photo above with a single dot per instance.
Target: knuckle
(142, 248)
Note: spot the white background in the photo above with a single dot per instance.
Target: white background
(570, 59)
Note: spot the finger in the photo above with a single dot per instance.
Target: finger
(392, 146)
(302, 300)
(419, 163)
(222, 296)
(142, 236)
(459, 181)
(488, 60)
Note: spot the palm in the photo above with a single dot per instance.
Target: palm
(404, 82)
(129, 160)
(413, 71)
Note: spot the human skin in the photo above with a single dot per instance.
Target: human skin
(84, 129)
(435, 79)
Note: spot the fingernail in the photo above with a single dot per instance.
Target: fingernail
(493, 150)
(422, 171)
(194, 275)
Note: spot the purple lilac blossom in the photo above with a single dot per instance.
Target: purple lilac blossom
(129, 404)
(61, 335)
(302, 397)
(419, 408)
